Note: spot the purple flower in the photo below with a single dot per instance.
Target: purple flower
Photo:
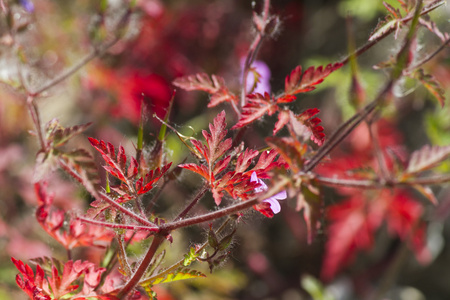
(273, 200)
(27, 5)
(263, 70)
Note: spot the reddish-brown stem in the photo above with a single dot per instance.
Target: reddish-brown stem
(377, 184)
(136, 277)
(210, 216)
(103, 196)
(345, 129)
(384, 171)
(118, 226)
(370, 44)
(180, 263)
(34, 112)
(167, 227)
(253, 51)
(72, 70)
(428, 57)
(197, 198)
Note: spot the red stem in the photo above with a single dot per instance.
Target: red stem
(120, 226)
(136, 277)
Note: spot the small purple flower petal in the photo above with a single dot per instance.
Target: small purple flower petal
(27, 5)
(274, 205)
(264, 80)
(273, 200)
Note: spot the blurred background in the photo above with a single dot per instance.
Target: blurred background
(163, 40)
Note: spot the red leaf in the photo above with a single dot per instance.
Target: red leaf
(245, 159)
(353, 227)
(150, 178)
(316, 130)
(283, 119)
(30, 283)
(116, 165)
(354, 222)
(201, 170)
(200, 81)
(286, 99)
(222, 95)
(297, 82)
(426, 158)
(291, 151)
(256, 107)
(218, 131)
(216, 87)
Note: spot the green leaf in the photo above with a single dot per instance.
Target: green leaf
(315, 288)
(175, 276)
(190, 257)
(212, 238)
(226, 241)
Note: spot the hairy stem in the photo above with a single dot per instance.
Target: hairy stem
(96, 52)
(364, 48)
(34, 112)
(384, 171)
(197, 198)
(158, 239)
(118, 226)
(180, 263)
(224, 211)
(253, 51)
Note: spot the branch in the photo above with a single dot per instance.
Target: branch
(193, 203)
(98, 51)
(253, 51)
(428, 57)
(118, 226)
(224, 211)
(136, 277)
(405, 20)
(377, 184)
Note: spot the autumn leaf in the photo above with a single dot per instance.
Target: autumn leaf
(426, 158)
(291, 151)
(74, 233)
(215, 86)
(432, 85)
(200, 81)
(298, 82)
(236, 182)
(256, 107)
(57, 135)
(354, 221)
(214, 149)
(31, 283)
(145, 184)
(312, 123)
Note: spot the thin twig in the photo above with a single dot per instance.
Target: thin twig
(180, 263)
(136, 277)
(428, 57)
(34, 112)
(253, 51)
(197, 198)
(384, 171)
(405, 20)
(117, 226)
(224, 211)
